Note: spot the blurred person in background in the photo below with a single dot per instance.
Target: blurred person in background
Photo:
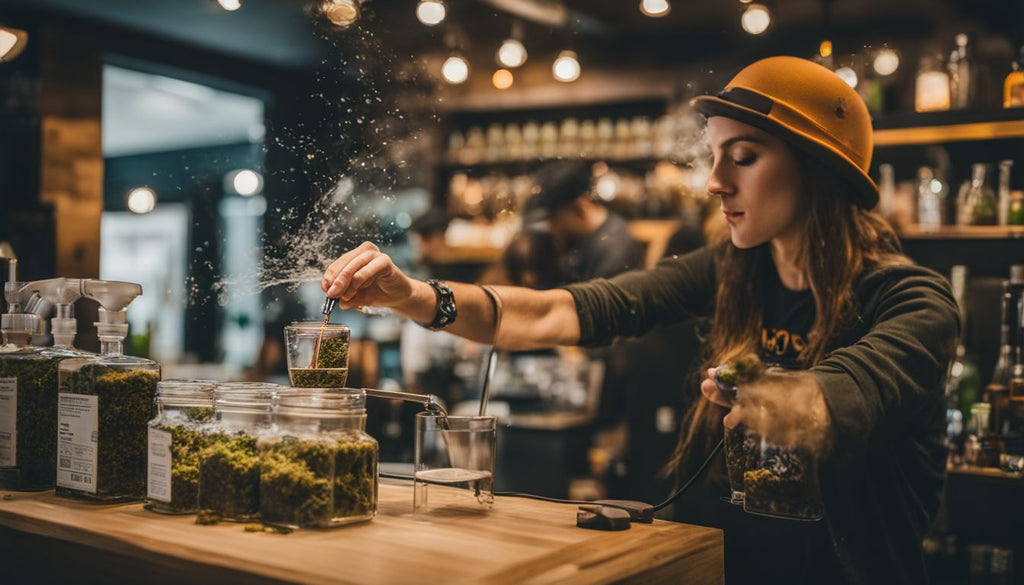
(594, 241)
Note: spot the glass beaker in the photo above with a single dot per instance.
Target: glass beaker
(784, 483)
(317, 355)
(454, 463)
(742, 453)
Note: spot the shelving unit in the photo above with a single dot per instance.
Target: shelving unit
(956, 232)
(944, 127)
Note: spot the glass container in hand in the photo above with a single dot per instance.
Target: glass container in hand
(317, 355)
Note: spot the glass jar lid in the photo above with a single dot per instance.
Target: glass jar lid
(185, 392)
(245, 395)
(321, 402)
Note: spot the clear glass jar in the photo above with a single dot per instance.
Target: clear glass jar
(104, 406)
(318, 465)
(784, 483)
(183, 409)
(317, 355)
(229, 475)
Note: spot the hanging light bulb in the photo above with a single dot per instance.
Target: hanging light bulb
(431, 12)
(566, 67)
(886, 62)
(12, 43)
(825, 48)
(512, 53)
(141, 200)
(230, 5)
(655, 8)
(502, 79)
(848, 75)
(343, 13)
(755, 19)
(455, 70)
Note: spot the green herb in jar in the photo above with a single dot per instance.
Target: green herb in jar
(229, 477)
(186, 444)
(318, 377)
(35, 422)
(355, 479)
(295, 483)
(333, 353)
(125, 407)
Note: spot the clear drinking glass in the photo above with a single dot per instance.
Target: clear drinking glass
(317, 355)
(454, 463)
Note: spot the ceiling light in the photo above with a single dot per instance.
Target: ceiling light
(655, 8)
(502, 79)
(12, 43)
(343, 13)
(848, 75)
(431, 12)
(244, 182)
(512, 53)
(230, 5)
(756, 19)
(886, 62)
(141, 200)
(566, 67)
(455, 70)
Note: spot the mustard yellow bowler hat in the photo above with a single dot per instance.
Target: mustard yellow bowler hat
(809, 107)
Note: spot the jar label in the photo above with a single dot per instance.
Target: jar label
(77, 441)
(8, 422)
(158, 470)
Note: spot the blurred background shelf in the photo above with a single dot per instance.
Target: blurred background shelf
(957, 232)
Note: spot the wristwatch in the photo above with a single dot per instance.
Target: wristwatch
(446, 310)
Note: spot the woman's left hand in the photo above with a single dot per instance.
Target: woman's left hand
(710, 390)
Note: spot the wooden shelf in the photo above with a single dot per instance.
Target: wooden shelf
(525, 166)
(939, 127)
(954, 232)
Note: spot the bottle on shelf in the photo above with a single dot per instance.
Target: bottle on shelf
(931, 200)
(976, 202)
(1004, 192)
(961, 74)
(998, 393)
(963, 383)
(932, 85)
(1013, 86)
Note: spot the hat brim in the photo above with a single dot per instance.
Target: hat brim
(867, 190)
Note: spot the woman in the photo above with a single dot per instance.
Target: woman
(810, 278)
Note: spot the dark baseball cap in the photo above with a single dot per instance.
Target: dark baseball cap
(556, 185)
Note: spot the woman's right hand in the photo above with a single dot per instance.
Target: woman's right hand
(366, 276)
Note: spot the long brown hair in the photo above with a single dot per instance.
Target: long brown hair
(841, 240)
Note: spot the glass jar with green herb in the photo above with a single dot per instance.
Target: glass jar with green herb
(183, 409)
(318, 466)
(317, 354)
(104, 406)
(229, 475)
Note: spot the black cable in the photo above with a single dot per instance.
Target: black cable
(700, 471)
(661, 506)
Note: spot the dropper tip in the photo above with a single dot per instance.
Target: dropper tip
(329, 305)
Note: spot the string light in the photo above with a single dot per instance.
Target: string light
(502, 79)
(886, 62)
(655, 8)
(230, 5)
(431, 12)
(455, 70)
(566, 67)
(825, 48)
(755, 19)
(512, 53)
(141, 200)
(848, 75)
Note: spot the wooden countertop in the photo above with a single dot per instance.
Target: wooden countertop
(517, 542)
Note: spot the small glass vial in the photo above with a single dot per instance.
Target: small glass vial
(980, 206)
(317, 355)
(229, 475)
(318, 465)
(183, 409)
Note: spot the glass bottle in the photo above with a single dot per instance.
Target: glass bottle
(964, 382)
(979, 202)
(1004, 364)
(886, 190)
(318, 465)
(930, 200)
(931, 89)
(183, 409)
(104, 407)
(1013, 86)
(961, 74)
(1003, 214)
(229, 476)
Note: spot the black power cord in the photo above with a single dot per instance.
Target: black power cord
(675, 496)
